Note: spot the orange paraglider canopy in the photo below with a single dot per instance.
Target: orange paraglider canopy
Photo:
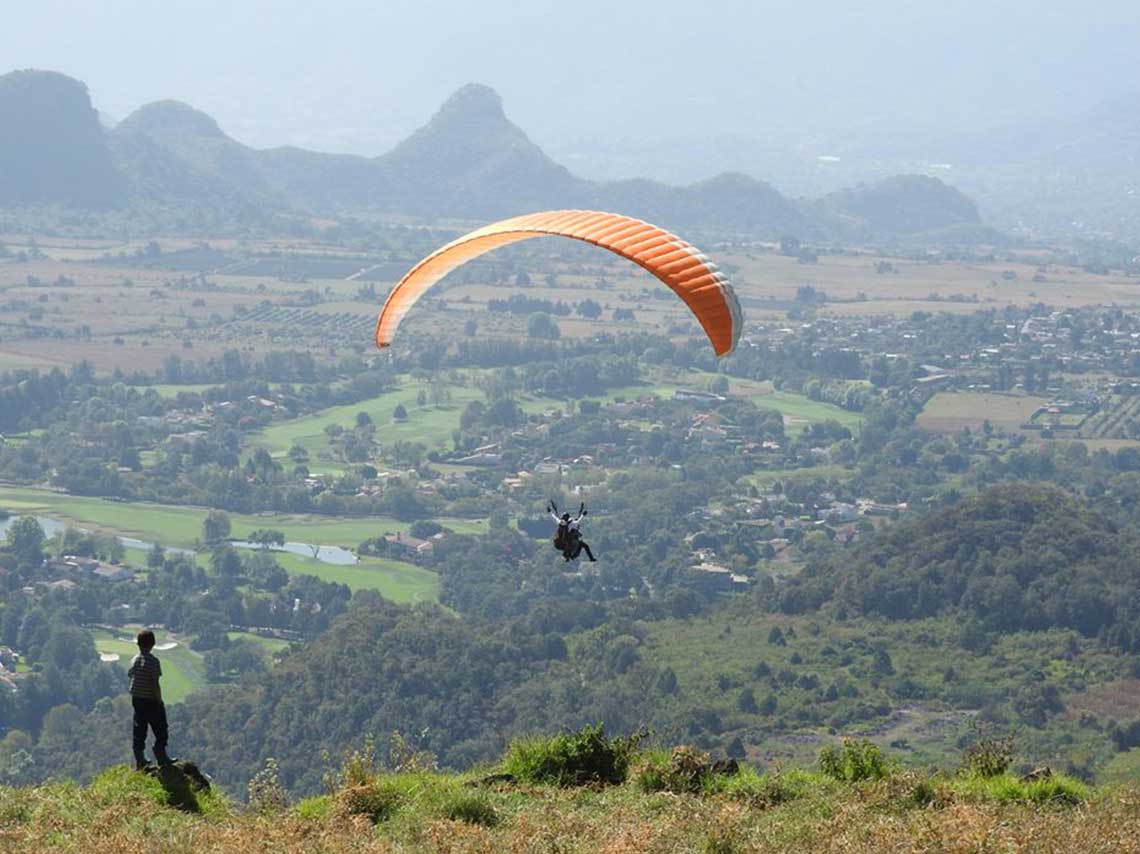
(692, 276)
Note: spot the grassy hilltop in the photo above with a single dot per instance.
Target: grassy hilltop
(587, 792)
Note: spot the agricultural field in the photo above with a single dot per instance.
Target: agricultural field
(96, 300)
(950, 411)
(854, 285)
(1119, 418)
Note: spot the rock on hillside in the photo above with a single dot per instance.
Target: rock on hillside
(52, 149)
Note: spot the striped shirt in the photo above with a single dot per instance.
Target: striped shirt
(144, 673)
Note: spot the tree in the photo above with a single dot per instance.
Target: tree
(363, 419)
(129, 458)
(216, 526)
(26, 540)
(266, 537)
(789, 245)
(589, 309)
(399, 413)
(542, 325)
(735, 749)
(225, 562)
(746, 702)
(298, 454)
(156, 557)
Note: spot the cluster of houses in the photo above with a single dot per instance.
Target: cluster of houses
(87, 566)
(405, 545)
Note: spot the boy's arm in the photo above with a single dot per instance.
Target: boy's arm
(158, 680)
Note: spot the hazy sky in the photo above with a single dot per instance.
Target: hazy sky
(347, 75)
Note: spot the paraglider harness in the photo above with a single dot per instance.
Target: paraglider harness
(565, 539)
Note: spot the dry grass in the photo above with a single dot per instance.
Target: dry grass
(822, 817)
(949, 411)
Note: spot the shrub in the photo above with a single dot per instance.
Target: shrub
(266, 794)
(317, 808)
(472, 809)
(120, 784)
(687, 770)
(989, 757)
(378, 801)
(857, 760)
(572, 759)
(923, 794)
(1056, 789)
(765, 790)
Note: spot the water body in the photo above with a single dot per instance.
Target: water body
(332, 555)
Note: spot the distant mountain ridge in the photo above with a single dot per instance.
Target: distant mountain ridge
(468, 162)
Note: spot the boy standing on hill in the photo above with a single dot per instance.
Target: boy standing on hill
(146, 697)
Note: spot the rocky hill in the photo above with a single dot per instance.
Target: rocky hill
(53, 148)
(468, 162)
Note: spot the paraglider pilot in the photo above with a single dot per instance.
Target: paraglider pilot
(568, 534)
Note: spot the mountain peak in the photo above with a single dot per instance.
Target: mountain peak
(473, 101)
(167, 116)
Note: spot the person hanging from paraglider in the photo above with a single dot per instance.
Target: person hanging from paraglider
(568, 534)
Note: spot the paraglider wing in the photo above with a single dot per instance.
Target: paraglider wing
(692, 276)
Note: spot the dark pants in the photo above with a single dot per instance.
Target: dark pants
(577, 547)
(149, 713)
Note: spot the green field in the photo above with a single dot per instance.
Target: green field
(182, 526)
(799, 411)
(431, 425)
(270, 645)
(393, 579)
(182, 669)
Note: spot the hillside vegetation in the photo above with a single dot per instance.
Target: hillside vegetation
(585, 792)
